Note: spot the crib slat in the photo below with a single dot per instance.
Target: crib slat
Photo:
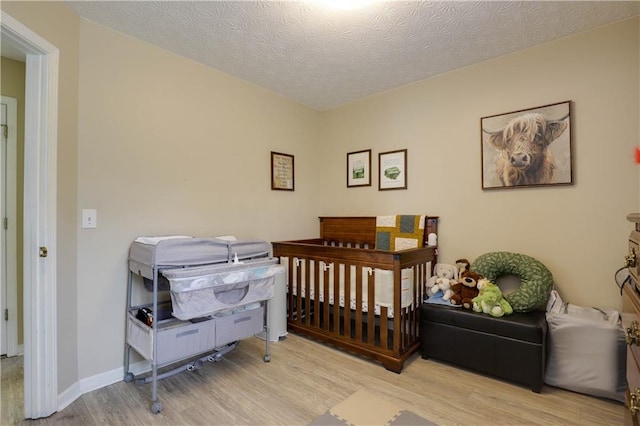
(307, 295)
(347, 295)
(300, 283)
(325, 306)
(404, 325)
(371, 310)
(398, 318)
(299, 300)
(412, 314)
(316, 292)
(290, 302)
(384, 327)
(337, 320)
(418, 294)
(402, 340)
(358, 329)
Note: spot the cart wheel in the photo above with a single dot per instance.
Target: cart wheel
(156, 407)
(128, 377)
(267, 358)
(215, 358)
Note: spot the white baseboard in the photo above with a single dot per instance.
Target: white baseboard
(68, 396)
(98, 381)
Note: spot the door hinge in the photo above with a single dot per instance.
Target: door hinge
(6, 314)
(5, 131)
(5, 223)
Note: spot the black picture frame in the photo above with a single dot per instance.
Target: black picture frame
(282, 172)
(392, 170)
(359, 168)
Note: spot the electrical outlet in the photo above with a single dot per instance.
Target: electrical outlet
(89, 218)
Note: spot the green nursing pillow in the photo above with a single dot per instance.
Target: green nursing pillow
(536, 280)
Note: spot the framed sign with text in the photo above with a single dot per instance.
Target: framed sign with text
(282, 171)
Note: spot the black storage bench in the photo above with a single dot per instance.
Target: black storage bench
(512, 347)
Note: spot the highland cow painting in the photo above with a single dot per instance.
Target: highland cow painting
(527, 148)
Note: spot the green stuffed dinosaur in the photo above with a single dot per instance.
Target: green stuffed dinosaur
(490, 300)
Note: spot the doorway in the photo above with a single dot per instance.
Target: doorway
(40, 187)
(8, 226)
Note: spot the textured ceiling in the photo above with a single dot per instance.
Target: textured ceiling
(324, 58)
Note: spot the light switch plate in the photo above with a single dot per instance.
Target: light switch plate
(89, 218)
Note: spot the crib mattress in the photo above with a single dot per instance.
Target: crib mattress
(183, 251)
(383, 290)
(218, 289)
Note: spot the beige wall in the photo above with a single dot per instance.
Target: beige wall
(12, 79)
(169, 146)
(56, 23)
(578, 231)
(158, 144)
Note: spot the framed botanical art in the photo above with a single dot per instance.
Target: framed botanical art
(392, 170)
(529, 147)
(359, 168)
(282, 171)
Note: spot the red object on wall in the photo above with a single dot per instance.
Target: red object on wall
(638, 154)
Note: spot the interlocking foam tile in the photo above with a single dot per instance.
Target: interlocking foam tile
(365, 408)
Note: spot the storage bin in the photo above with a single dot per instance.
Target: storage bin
(177, 340)
(238, 326)
(587, 351)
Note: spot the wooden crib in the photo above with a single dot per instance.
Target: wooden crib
(345, 262)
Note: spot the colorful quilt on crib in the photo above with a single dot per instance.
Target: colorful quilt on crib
(399, 232)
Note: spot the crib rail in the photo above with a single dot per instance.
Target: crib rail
(382, 292)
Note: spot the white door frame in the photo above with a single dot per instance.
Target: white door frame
(12, 234)
(40, 186)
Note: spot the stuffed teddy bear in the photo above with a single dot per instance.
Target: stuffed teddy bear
(466, 289)
(445, 275)
(463, 265)
(490, 300)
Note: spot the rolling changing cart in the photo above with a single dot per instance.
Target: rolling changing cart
(219, 294)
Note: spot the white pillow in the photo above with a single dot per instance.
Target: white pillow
(554, 305)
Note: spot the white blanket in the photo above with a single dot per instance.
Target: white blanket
(152, 241)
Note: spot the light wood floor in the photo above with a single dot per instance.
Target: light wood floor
(11, 390)
(305, 378)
